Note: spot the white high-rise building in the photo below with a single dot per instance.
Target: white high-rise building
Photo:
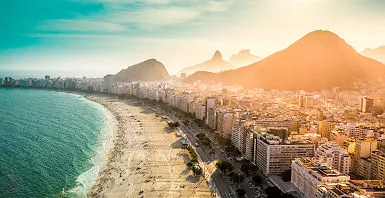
(366, 104)
(307, 174)
(108, 83)
(210, 104)
(274, 156)
(334, 156)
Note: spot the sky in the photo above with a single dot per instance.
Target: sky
(109, 35)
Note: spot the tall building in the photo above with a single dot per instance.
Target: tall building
(225, 123)
(334, 156)
(274, 156)
(309, 101)
(364, 147)
(249, 144)
(210, 104)
(9, 82)
(352, 189)
(108, 83)
(301, 101)
(325, 127)
(307, 174)
(237, 134)
(361, 162)
(377, 165)
(242, 137)
(350, 145)
(212, 118)
(366, 104)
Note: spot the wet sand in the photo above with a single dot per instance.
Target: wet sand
(147, 159)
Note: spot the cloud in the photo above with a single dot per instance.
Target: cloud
(152, 14)
(150, 18)
(79, 25)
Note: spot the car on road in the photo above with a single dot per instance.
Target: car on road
(196, 144)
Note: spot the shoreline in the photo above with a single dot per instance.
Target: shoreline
(146, 159)
(87, 179)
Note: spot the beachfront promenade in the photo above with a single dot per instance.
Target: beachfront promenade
(219, 185)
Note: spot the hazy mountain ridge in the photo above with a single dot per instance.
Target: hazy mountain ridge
(377, 53)
(243, 58)
(149, 70)
(215, 64)
(319, 60)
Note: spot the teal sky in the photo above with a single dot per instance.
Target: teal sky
(108, 35)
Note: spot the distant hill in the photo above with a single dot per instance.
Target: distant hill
(376, 54)
(215, 64)
(243, 58)
(319, 60)
(149, 70)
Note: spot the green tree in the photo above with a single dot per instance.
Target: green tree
(224, 166)
(245, 168)
(237, 178)
(200, 135)
(223, 141)
(197, 170)
(205, 141)
(173, 124)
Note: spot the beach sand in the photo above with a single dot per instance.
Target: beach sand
(147, 157)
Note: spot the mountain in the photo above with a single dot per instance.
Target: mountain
(215, 64)
(244, 57)
(376, 54)
(319, 60)
(149, 70)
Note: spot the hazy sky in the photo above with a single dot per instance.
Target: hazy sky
(109, 35)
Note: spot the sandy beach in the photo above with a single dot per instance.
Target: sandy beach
(147, 159)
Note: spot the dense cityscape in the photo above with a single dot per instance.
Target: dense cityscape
(314, 144)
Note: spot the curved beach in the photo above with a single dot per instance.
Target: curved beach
(147, 159)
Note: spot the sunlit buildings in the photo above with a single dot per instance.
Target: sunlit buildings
(352, 189)
(366, 104)
(334, 156)
(361, 162)
(307, 174)
(339, 136)
(274, 156)
(377, 165)
(108, 83)
(325, 127)
(225, 123)
(210, 104)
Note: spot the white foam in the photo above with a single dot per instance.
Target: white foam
(87, 179)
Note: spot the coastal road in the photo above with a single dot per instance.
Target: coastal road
(247, 186)
(223, 188)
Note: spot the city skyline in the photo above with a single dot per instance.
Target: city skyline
(107, 36)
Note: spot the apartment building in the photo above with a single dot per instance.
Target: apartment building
(334, 156)
(308, 173)
(274, 156)
(352, 189)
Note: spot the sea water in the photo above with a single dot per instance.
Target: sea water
(52, 144)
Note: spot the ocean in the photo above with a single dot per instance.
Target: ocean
(52, 144)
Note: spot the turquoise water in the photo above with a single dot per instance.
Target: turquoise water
(52, 144)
